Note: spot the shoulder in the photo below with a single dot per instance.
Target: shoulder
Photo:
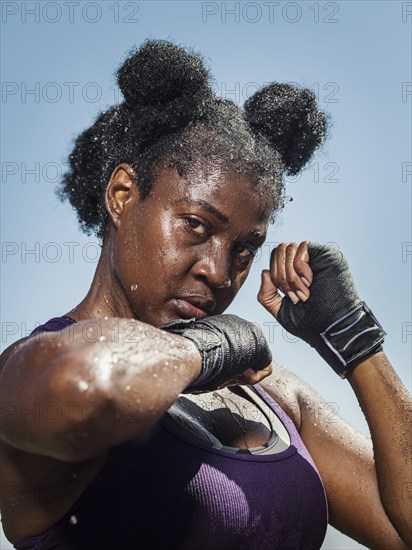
(295, 396)
(8, 353)
(285, 388)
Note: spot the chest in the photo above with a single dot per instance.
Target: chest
(229, 416)
(39, 490)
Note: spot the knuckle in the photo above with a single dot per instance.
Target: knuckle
(291, 251)
(284, 286)
(294, 278)
(299, 263)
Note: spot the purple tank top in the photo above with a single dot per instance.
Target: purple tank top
(159, 491)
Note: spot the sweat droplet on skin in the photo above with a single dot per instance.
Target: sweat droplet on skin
(83, 385)
(134, 287)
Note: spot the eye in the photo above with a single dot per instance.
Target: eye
(245, 253)
(196, 227)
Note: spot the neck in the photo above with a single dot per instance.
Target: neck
(105, 297)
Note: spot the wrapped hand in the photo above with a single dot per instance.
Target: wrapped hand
(228, 345)
(330, 316)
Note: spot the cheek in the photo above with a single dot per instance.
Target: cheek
(174, 262)
(133, 262)
(175, 255)
(138, 247)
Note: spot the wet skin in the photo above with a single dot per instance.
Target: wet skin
(197, 253)
(182, 252)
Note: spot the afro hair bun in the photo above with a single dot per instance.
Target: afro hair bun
(290, 119)
(165, 87)
(160, 72)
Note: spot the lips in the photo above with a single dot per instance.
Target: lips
(197, 307)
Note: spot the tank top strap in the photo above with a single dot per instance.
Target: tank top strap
(54, 324)
(290, 426)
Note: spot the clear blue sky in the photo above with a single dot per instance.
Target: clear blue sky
(58, 60)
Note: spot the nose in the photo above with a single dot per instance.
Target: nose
(214, 269)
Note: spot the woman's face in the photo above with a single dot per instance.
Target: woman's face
(185, 250)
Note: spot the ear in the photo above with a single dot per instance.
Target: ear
(120, 191)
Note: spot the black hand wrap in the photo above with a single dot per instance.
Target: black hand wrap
(228, 345)
(333, 320)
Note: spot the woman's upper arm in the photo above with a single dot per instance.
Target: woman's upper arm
(344, 459)
(34, 415)
(71, 397)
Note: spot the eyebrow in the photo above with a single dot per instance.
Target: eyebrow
(259, 235)
(207, 206)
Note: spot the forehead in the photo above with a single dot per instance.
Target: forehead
(231, 194)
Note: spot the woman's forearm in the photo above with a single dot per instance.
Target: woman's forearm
(106, 380)
(386, 404)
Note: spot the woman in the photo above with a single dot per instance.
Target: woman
(171, 426)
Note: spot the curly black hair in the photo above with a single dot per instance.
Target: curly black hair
(170, 117)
